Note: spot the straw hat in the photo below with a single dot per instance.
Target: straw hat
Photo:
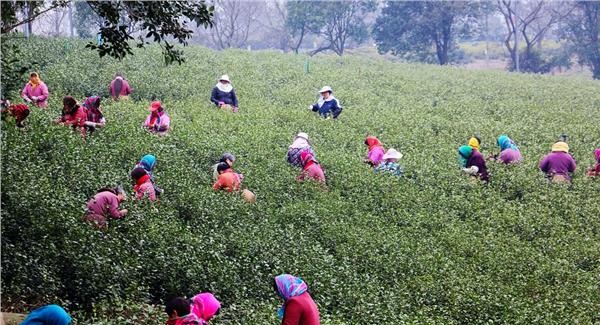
(225, 78)
(560, 146)
(325, 88)
(392, 154)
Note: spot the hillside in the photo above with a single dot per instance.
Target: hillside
(432, 247)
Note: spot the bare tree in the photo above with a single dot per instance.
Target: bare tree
(532, 20)
(232, 23)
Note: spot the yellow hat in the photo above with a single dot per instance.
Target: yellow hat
(474, 143)
(560, 146)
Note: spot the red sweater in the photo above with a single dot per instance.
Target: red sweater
(301, 310)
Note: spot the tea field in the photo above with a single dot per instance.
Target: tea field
(432, 247)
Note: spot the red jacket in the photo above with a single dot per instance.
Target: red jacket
(301, 310)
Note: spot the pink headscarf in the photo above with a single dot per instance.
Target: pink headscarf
(205, 306)
(597, 154)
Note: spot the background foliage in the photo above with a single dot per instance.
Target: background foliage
(432, 247)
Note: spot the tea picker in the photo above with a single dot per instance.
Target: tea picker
(223, 94)
(327, 105)
(559, 164)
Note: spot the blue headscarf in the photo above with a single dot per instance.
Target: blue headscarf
(288, 286)
(465, 152)
(48, 315)
(506, 143)
(148, 162)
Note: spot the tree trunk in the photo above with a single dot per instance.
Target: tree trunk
(71, 27)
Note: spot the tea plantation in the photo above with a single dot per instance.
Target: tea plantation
(432, 247)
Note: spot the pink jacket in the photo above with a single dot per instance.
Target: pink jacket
(104, 204)
(313, 171)
(125, 88)
(41, 91)
(146, 189)
(375, 155)
(162, 127)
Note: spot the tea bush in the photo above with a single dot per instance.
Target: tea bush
(432, 247)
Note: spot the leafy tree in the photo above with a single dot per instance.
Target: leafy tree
(414, 28)
(301, 20)
(30, 9)
(582, 33)
(13, 69)
(159, 21)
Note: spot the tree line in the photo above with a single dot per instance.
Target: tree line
(422, 31)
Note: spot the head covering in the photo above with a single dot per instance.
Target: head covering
(288, 286)
(597, 154)
(300, 141)
(560, 146)
(392, 154)
(505, 142)
(92, 102)
(227, 87)
(155, 106)
(372, 142)
(138, 173)
(34, 79)
(148, 162)
(225, 78)
(464, 153)
(205, 306)
(325, 88)
(474, 143)
(303, 135)
(48, 315)
(227, 156)
(306, 156)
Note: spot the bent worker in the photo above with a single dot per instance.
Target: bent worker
(472, 162)
(105, 204)
(119, 87)
(48, 315)
(593, 171)
(559, 164)
(299, 307)
(95, 118)
(390, 163)
(228, 180)
(73, 115)
(510, 153)
(301, 143)
(311, 168)
(375, 151)
(143, 185)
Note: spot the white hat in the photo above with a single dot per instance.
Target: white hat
(225, 78)
(303, 135)
(325, 88)
(392, 154)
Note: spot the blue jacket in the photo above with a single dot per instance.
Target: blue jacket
(221, 96)
(332, 106)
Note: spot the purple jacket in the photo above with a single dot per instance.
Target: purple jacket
(105, 203)
(476, 159)
(558, 163)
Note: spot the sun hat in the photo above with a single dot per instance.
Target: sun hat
(325, 88)
(560, 146)
(303, 135)
(392, 154)
(225, 78)
(154, 106)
